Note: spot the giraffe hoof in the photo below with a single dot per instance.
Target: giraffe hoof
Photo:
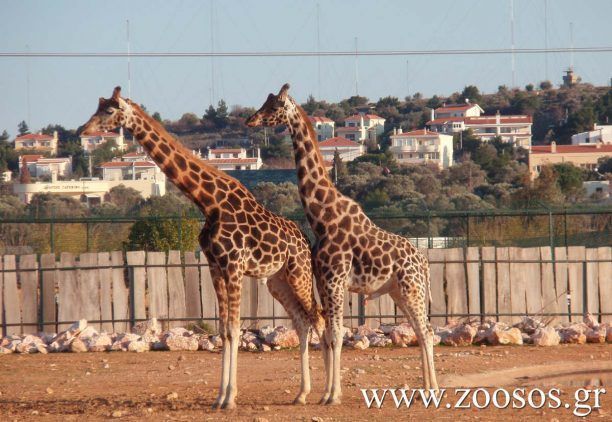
(228, 405)
(300, 400)
(333, 401)
(216, 405)
(324, 399)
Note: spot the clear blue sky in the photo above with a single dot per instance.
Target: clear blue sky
(65, 91)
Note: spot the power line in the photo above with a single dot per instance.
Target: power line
(246, 54)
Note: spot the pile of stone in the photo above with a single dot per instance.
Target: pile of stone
(148, 335)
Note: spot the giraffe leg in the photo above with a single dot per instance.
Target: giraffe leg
(282, 292)
(326, 349)
(334, 333)
(413, 306)
(234, 286)
(221, 291)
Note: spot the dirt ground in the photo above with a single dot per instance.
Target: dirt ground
(96, 386)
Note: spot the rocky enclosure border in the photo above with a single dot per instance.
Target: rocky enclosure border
(148, 335)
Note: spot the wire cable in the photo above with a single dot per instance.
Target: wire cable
(187, 54)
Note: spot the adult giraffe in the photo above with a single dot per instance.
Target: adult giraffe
(351, 251)
(240, 237)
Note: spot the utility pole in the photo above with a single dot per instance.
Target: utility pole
(512, 42)
(212, 50)
(546, 39)
(129, 75)
(407, 78)
(356, 70)
(318, 55)
(28, 85)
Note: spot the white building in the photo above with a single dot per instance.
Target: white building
(233, 159)
(132, 166)
(93, 140)
(362, 127)
(39, 166)
(600, 133)
(323, 126)
(349, 150)
(599, 187)
(91, 192)
(422, 146)
(37, 142)
(456, 118)
(143, 176)
(6, 176)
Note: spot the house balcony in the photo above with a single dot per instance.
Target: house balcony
(416, 149)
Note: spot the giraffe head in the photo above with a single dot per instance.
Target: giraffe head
(275, 111)
(111, 113)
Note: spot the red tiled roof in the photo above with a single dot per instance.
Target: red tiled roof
(455, 107)
(419, 132)
(134, 154)
(33, 136)
(225, 150)
(442, 120)
(102, 134)
(320, 119)
(338, 141)
(348, 129)
(231, 160)
(357, 117)
(43, 161)
(118, 164)
(564, 149)
(30, 158)
(491, 120)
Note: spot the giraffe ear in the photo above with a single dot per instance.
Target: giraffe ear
(282, 94)
(116, 93)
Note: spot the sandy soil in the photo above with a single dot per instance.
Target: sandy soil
(96, 386)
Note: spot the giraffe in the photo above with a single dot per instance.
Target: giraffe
(239, 238)
(350, 250)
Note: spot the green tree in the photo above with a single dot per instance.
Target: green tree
(13, 235)
(105, 153)
(80, 163)
(157, 116)
(545, 85)
(604, 165)
(4, 136)
(23, 128)
(125, 199)
(221, 118)
(154, 234)
(282, 198)
(44, 205)
(8, 157)
(569, 179)
(470, 93)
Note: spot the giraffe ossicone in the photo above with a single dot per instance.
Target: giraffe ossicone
(239, 238)
(351, 252)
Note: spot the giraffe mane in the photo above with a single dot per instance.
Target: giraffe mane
(311, 134)
(179, 146)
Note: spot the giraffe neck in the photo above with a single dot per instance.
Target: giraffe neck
(196, 179)
(316, 188)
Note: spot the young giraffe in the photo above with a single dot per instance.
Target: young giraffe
(351, 251)
(240, 237)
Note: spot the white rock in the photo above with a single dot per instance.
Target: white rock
(283, 337)
(138, 346)
(403, 335)
(99, 343)
(546, 336)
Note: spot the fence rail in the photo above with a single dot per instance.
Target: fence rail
(525, 228)
(114, 290)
